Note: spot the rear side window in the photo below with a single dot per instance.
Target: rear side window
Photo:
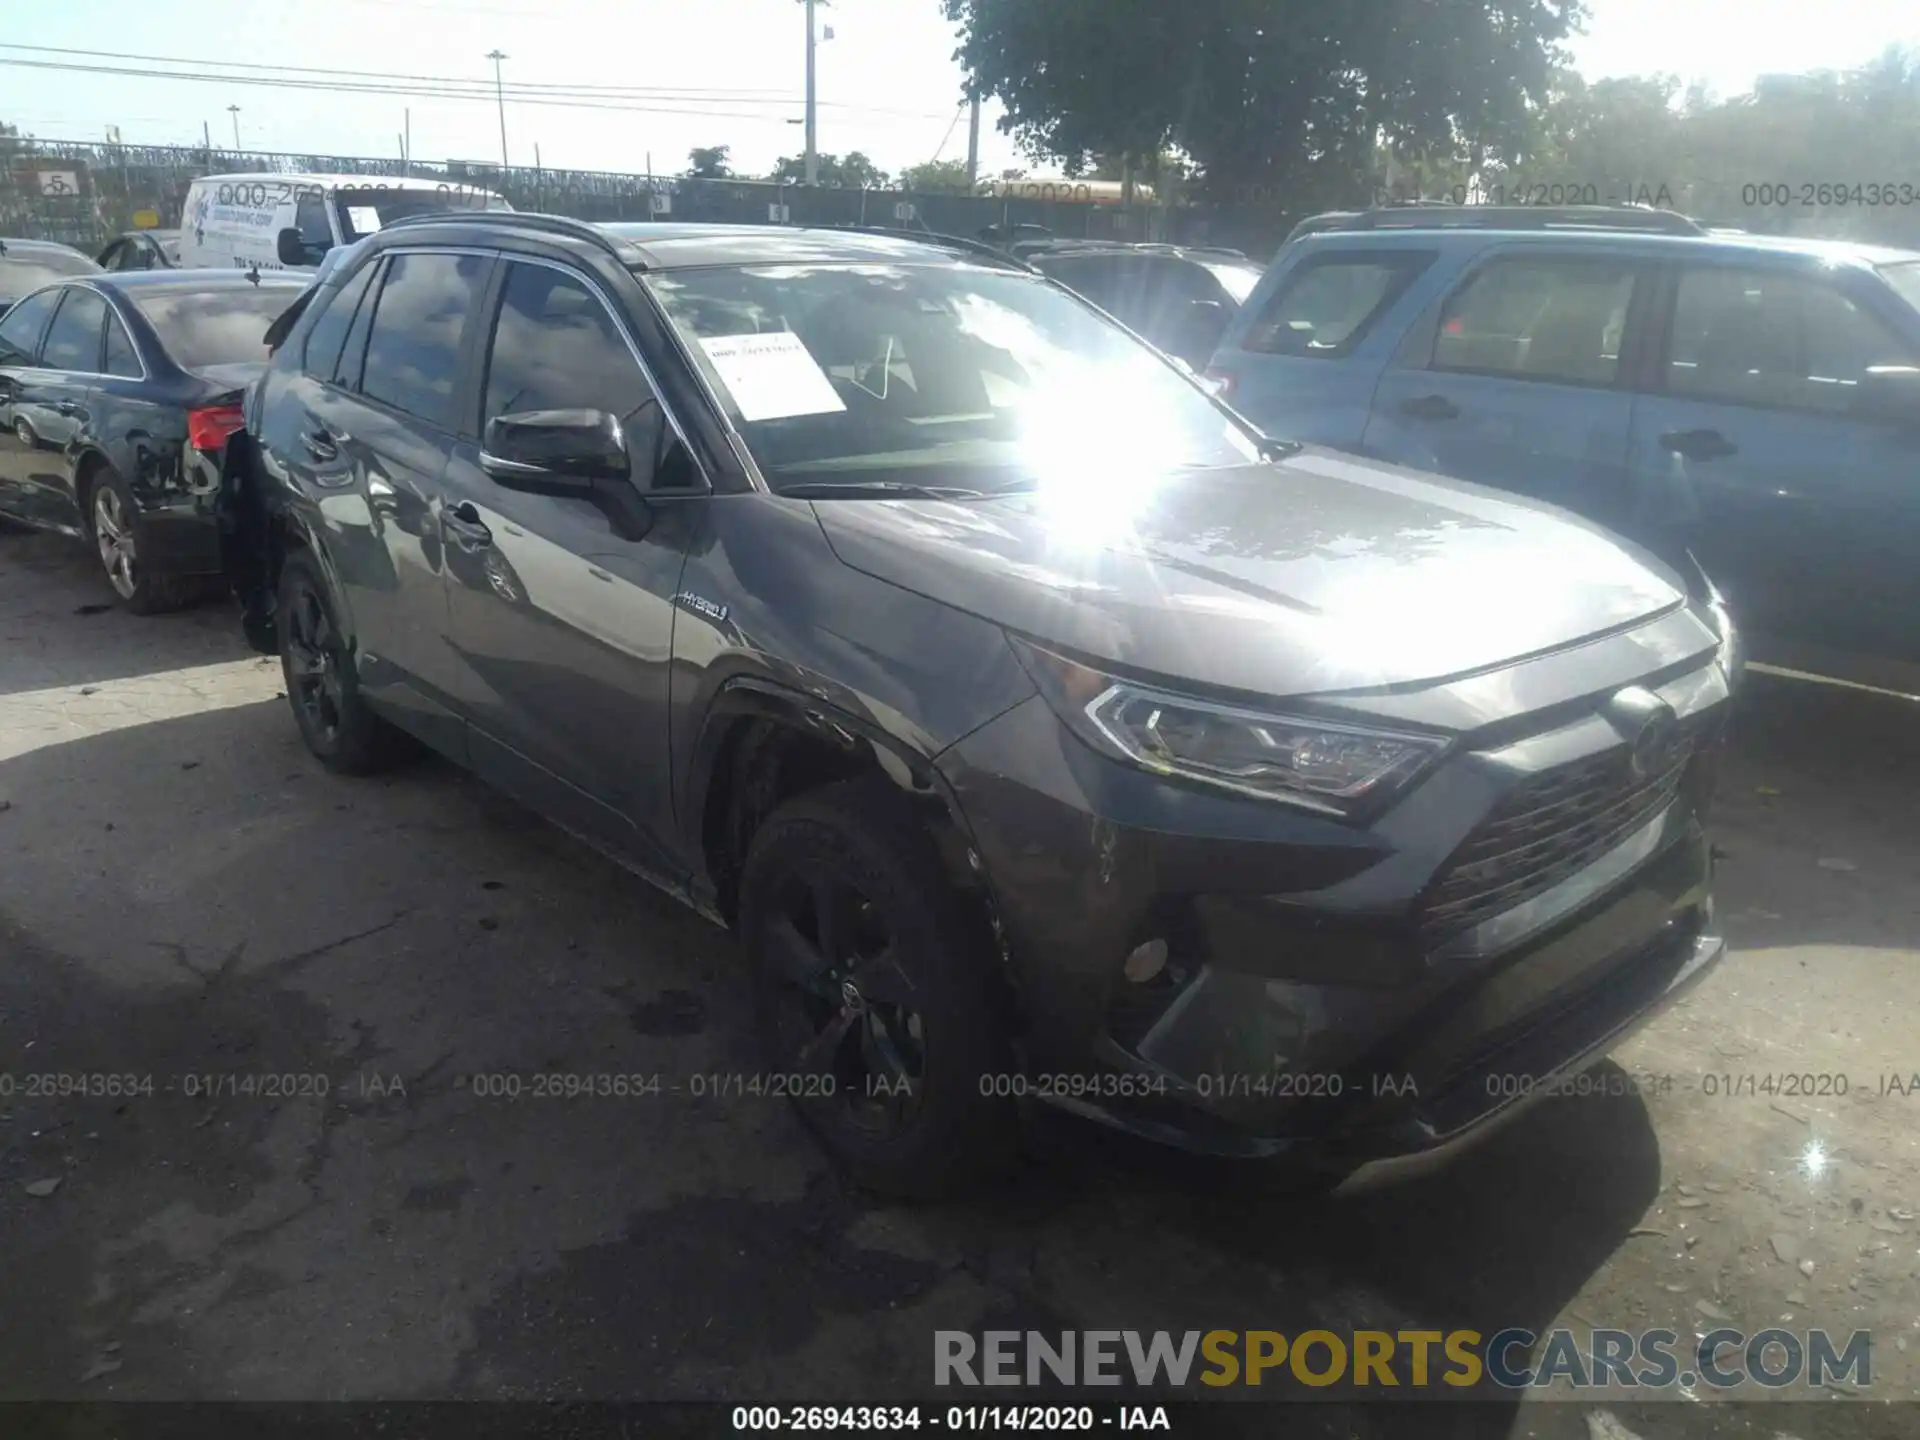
(321, 358)
(121, 359)
(1757, 337)
(74, 341)
(1325, 306)
(1548, 318)
(419, 328)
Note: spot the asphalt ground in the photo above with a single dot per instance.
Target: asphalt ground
(184, 893)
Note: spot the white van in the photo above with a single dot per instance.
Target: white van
(290, 222)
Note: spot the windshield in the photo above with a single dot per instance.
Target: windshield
(22, 270)
(1237, 280)
(373, 207)
(937, 376)
(214, 327)
(1905, 278)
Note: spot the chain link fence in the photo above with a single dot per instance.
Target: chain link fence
(83, 194)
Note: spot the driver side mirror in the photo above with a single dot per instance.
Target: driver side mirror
(555, 452)
(292, 250)
(1889, 393)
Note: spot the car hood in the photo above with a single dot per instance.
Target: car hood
(1320, 572)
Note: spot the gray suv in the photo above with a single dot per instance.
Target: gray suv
(1046, 733)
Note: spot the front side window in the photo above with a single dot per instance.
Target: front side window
(20, 330)
(121, 359)
(1761, 337)
(371, 208)
(1551, 319)
(937, 375)
(1324, 307)
(555, 347)
(420, 322)
(74, 341)
(310, 219)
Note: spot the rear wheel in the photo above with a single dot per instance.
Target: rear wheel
(338, 725)
(875, 992)
(119, 538)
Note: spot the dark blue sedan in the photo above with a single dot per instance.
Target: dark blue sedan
(117, 395)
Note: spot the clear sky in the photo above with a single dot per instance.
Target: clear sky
(887, 81)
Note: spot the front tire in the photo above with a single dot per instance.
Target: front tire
(119, 539)
(875, 990)
(335, 721)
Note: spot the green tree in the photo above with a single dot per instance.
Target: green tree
(936, 177)
(853, 171)
(709, 162)
(1262, 97)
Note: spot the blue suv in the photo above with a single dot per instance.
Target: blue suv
(1752, 401)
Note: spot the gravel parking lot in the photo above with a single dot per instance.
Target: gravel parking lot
(184, 893)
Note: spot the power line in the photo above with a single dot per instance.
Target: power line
(637, 90)
(342, 87)
(529, 92)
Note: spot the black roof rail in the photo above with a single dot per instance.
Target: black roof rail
(615, 246)
(983, 248)
(1643, 219)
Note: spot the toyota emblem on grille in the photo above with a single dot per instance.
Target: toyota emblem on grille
(1648, 725)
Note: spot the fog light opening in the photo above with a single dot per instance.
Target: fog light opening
(1147, 961)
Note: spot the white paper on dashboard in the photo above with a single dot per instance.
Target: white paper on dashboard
(772, 376)
(365, 219)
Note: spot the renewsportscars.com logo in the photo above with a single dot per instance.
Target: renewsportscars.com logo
(1514, 1359)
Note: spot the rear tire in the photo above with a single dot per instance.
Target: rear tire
(335, 721)
(119, 535)
(870, 970)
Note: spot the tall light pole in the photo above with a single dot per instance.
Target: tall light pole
(234, 110)
(500, 96)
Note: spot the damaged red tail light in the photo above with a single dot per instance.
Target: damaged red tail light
(208, 429)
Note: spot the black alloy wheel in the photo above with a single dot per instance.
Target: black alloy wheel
(336, 722)
(876, 988)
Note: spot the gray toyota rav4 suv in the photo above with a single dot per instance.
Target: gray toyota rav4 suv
(1044, 731)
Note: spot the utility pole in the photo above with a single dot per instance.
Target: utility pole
(406, 143)
(973, 143)
(206, 134)
(500, 95)
(813, 149)
(235, 111)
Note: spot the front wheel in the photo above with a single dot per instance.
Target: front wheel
(338, 725)
(876, 992)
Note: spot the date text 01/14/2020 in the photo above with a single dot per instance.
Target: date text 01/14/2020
(800, 1419)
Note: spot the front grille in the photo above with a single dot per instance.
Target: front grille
(1554, 825)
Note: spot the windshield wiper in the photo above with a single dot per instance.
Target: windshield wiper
(1272, 447)
(881, 489)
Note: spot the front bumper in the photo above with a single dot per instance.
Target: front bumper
(1305, 1010)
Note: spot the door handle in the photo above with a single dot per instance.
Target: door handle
(464, 520)
(1698, 444)
(1430, 407)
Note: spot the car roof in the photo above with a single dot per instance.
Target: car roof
(1116, 249)
(1473, 238)
(160, 282)
(39, 245)
(671, 246)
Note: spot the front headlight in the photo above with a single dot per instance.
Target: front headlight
(1331, 767)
